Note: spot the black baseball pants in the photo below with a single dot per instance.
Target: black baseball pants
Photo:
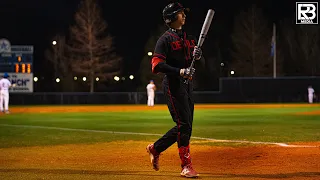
(181, 106)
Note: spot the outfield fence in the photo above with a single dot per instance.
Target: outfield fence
(232, 90)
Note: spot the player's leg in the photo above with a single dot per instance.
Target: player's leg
(310, 98)
(6, 102)
(184, 129)
(152, 100)
(148, 101)
(1, 102)
(184, 152)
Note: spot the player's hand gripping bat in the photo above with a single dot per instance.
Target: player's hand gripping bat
(203, 34)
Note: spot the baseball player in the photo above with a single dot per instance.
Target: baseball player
(151, 87)
(5, 84)
(310, 94)
(173, 55)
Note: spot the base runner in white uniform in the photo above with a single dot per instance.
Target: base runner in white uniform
(5, 84)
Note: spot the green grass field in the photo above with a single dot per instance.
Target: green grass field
(250, 124)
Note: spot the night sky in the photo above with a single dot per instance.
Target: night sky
(35, 22)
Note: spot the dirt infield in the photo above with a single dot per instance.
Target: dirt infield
(129, 160)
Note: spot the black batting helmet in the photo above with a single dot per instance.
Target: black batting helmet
(169, 13)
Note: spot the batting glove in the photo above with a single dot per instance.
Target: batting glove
(197, 53)
(187, 73)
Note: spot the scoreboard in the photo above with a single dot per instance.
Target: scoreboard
(17, 61)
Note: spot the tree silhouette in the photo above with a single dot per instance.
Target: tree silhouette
(251, 40)
(145, 66)
(309, 47)
(287, 37)
(90, 46)
(301, 45)
(56, 55)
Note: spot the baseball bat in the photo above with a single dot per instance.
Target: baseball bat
(203, 34)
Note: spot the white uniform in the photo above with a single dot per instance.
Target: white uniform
(4, 94)
(150, 92)
(310, 94)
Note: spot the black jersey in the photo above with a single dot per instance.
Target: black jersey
(175, 47)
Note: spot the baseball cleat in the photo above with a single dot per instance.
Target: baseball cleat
(189, 172)
(154, 156)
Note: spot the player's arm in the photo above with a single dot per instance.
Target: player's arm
(158, 61)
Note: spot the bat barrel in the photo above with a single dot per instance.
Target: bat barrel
(205, 27)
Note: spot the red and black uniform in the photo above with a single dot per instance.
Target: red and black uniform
(173, 52)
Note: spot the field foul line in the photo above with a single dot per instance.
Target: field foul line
(150, 134)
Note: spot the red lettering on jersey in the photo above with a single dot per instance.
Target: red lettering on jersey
(188, 43)
(176, 45)
(193, 44)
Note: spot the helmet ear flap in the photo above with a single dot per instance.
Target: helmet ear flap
(170, 18)
(167, 20)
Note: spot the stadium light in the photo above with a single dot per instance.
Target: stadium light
(123, 78)
(149, 53)
(116, 78)
(84, 78)
(58, 80)
(75, 78)
(221, 64)
(54, 43)
(232, 72)
(131, 77)
(35, 79)
(97, 79)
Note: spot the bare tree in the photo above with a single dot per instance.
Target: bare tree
(251, 39)
(288, 44)
(145, 66)
(56, 55)
(308, 37)
(301, 45)
(90, 45)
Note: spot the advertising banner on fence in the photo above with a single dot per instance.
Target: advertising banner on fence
(22, 82)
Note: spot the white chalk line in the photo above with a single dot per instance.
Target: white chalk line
(151, 134)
